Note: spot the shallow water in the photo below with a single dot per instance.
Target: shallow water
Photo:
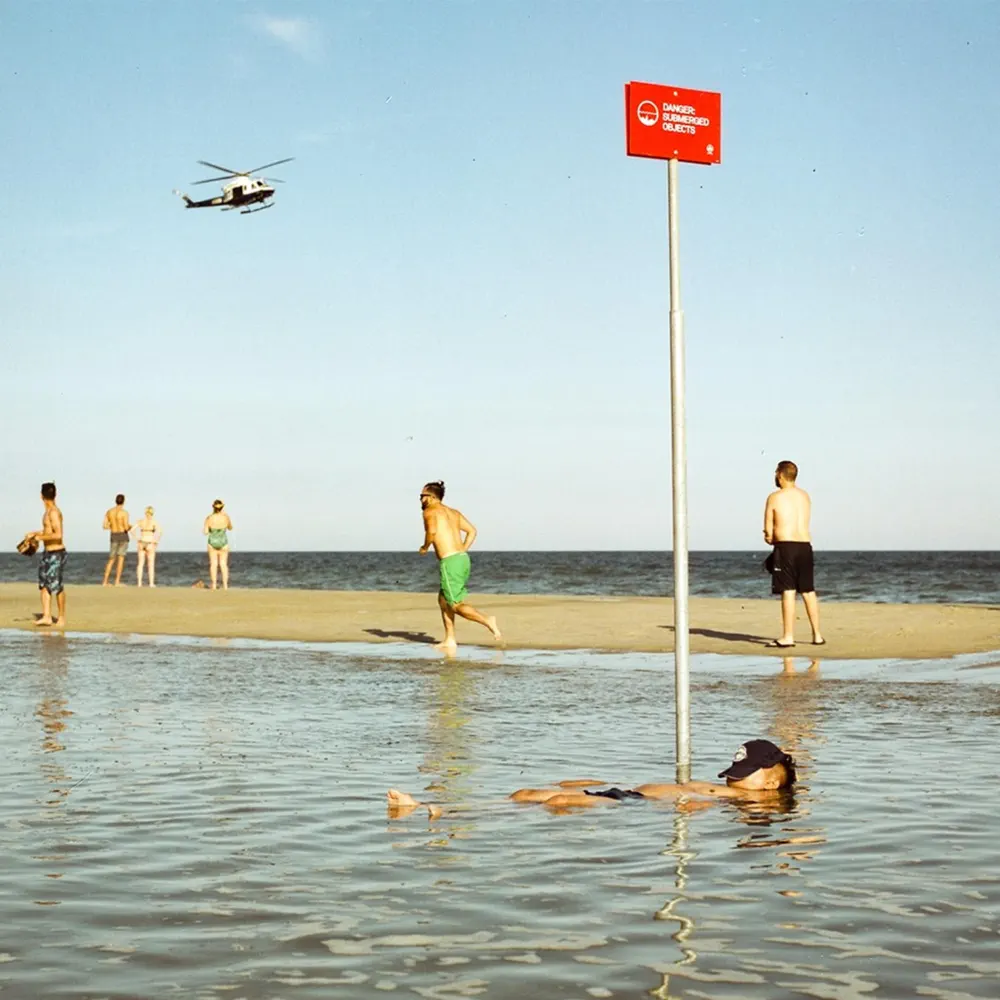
(206, 819)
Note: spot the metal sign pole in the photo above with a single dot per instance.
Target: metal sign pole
(679, 452)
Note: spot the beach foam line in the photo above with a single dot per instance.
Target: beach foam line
(972, 668)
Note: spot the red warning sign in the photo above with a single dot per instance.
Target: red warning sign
(670, 122)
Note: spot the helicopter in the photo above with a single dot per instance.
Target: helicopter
(243, 191)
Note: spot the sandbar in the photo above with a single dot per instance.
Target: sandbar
(641, 624)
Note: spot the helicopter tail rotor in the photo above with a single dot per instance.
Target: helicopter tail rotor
(187, 201)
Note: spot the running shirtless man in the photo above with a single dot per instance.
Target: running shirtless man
(786, 527)
(443, 529)
(117, 522)
(52, 560)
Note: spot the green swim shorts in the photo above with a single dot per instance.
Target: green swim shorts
(455, 570)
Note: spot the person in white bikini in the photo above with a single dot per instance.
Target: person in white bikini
(149, 537)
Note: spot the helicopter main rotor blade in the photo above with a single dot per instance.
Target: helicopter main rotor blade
(266, 165)
(273, 180)
(225, 170)
(212, 180)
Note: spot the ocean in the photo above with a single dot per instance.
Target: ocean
(207, 819)
(888, 577)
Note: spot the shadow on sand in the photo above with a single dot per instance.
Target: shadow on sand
(400, 634)
(727, 636)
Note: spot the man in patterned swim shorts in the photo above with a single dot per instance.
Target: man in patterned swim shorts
(52, 560)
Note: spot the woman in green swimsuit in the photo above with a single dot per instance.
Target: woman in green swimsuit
(216, 525)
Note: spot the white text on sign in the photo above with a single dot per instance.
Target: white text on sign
(681, 118)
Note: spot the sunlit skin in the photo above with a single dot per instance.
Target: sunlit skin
(786, 519)
(149, 538)
(447, 531)
(764, 783)
(51, 536)
(218, 559)
(116, 520)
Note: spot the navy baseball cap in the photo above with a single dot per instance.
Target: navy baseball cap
(754, 755)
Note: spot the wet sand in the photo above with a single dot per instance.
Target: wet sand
(641, 624)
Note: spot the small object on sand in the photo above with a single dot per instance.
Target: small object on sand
(198, 585)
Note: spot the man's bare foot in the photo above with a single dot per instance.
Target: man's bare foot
(43, 620)
(59, 623)
(447, 646)
(401, 804)
(491, 624)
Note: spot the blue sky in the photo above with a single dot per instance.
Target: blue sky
(465, 277)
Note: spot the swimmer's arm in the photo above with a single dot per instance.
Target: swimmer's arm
(470, 532)
(107, 521)
(229, 523)
(205, 531)
(769, 520)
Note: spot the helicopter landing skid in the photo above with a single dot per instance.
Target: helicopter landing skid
(253, 211)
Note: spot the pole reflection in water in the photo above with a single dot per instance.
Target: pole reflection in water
(682, 856)
(794, 700)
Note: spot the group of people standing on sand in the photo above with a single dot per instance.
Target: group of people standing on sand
(52, 560)
(117, 521)
(449, 533)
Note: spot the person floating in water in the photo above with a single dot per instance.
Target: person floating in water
(217, 526)
(760, 770)
(444, 528)
(786, 527)
(116, 520)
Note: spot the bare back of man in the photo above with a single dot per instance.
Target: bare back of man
(786, 527)
(444, 527)
(791, 508)
(451, 535)
(116, 520)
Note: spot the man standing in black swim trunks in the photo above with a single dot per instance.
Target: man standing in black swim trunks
(52, 560)
(786, 527)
